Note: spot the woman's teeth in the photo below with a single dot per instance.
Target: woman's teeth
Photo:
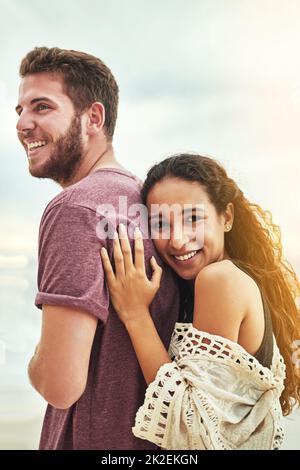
(185, 257)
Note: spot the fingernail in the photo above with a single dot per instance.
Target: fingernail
(137, 231)
(122, 228)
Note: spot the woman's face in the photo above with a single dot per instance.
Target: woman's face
(186, 229)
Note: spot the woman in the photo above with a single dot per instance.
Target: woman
(223, 384)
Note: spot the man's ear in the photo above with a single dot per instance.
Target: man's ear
(96, 118)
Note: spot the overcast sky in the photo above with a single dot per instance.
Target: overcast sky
(220, 77)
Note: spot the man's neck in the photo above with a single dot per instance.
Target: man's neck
(104, 158)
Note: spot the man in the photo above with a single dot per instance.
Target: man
(84, 366)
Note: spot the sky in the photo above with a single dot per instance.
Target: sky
(217, 77)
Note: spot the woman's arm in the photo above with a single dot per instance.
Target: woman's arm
(132, 293)
(148, 346)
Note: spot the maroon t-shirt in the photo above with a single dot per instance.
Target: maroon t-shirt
(72, 231)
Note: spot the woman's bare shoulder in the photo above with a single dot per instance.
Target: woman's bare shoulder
(225, 274)
(221, 295)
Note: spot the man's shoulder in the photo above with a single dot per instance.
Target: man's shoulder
(104, 186)
(107, 180)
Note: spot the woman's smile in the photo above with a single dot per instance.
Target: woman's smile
(188, 257)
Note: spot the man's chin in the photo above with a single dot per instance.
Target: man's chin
(36, 172)
(39, 171)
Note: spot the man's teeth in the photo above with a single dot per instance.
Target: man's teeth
(188, 256)
(38, 143)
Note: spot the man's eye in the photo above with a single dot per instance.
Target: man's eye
(41, 107)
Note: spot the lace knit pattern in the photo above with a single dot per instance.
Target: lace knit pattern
(182, 406)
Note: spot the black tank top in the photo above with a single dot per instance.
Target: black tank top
(264, 354)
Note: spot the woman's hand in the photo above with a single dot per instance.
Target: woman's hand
(130, 289)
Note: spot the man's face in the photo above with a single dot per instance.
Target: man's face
(48, 128)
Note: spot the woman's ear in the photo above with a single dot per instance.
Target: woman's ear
(228, 217)
(96, 118)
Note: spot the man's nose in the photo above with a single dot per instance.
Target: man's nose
(25, 123)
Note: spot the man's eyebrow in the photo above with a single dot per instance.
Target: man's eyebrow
(35, 100)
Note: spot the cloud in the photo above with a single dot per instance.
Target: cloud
(7, 123)
(18, 238)
(17, 282)
(13, 262)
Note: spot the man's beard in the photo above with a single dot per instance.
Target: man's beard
(66, 156)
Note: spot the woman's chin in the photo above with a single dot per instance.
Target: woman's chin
(190, 270)
(187, 277)
(188, 274)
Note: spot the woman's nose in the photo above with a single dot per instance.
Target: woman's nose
(178, 240)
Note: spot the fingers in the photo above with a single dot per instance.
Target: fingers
(126, 248)
(139, 260)
(157, 272)
(109, 273)
(118, 257)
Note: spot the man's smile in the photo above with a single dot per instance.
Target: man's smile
(35, 144)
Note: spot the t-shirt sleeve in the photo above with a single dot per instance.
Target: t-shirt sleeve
(70, 268)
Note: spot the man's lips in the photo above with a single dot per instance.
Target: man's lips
(34, 146)
(36, 151)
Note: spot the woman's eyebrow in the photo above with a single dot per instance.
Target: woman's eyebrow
(196, 208)
(186, 210)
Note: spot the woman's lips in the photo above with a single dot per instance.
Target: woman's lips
(190, 260)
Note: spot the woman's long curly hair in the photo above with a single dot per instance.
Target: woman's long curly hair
(255, 242)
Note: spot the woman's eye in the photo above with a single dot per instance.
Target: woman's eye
(194, 218)
(158, 226)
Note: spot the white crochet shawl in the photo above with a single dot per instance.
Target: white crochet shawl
(214, 395)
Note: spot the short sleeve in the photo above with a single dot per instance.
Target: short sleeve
(70, 269)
